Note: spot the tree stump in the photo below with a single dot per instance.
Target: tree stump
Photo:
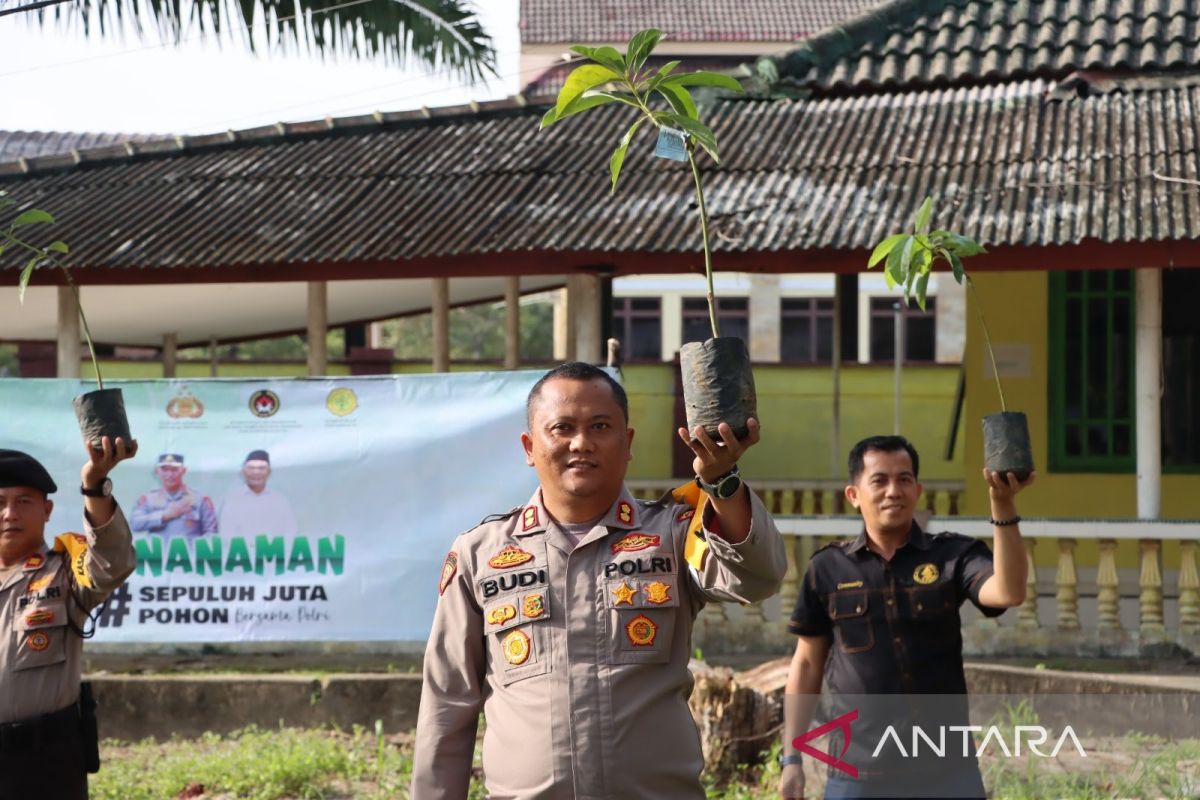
(738, 715)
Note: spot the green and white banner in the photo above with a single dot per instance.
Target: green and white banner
(303, 509)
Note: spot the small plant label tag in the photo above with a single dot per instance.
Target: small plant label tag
(671, 144)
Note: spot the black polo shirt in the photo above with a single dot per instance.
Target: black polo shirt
(895, 625)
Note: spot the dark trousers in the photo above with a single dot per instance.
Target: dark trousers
(47, 764)
(964, 783)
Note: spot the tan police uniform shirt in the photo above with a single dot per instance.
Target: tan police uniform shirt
(578, 656)
(40, 656)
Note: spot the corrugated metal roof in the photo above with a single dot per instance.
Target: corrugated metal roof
(910, 43)
(1011, 166)
(594, 21)
(31, 144)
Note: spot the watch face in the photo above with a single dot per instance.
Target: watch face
(728, 487)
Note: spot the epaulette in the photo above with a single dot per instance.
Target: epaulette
(497, 517)
(839, 543)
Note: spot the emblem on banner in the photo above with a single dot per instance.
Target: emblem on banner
(510, 556)
(39, 618)
(534, 606)
(264, 403)
(502, 614)
(38, 641)
(634, 542)
(641, 631)
(35, 561)
(658, 593)
(448, 570)
(625, 512)
(926, 573)
(624, 594)
(185, 405)
(342, 402)
(529, 519)
(516, 648)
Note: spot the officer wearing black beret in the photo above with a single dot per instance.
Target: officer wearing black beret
(47, 724)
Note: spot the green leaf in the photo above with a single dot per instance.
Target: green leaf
(58, 247)
(922, 287)
(580, 80)
(906, 255)
(620, 97)
(582, 103)
(962, 246)
(883, 248)
(680, 100)
(607, 56)
(618, 156)
(923, 215)
(704, 78)
(667, 68)
(34, 216)
(892, 274)
(640, 47)
(23, 281)
(702, 132)
(956, 266)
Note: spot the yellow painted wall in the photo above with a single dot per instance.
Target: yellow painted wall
(1016, 306)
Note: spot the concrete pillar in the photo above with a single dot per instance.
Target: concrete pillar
(564, 332)
(835, 428)
(441, 324)
(672, 325)
(170, 347)
(1148, 392)
(214, 360)
(864, 328)
(951, 335)
(765, 295)
(512, 322)
(318, 327)
(584, 306)
(68, 334)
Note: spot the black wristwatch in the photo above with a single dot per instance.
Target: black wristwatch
(103, 490)
(724, 487)
(790, 759)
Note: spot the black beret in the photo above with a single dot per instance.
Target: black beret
(22, 469)
(258, 455)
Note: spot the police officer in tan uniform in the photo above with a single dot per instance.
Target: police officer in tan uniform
(568, 621)
(45, 596)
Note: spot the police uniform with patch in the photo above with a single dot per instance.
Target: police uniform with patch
(44, 605)
(199, 520)
(578, 655)
(894, 624)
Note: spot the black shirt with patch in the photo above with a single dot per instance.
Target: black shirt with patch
(894, 625)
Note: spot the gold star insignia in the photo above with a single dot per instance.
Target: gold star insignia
(624, 594)
(658, 593)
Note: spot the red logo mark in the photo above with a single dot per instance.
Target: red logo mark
(841, 723)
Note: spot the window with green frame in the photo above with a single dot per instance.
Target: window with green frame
(1091, 371)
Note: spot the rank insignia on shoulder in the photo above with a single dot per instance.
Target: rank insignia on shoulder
(926, 573)
(634, 542)
(502, 614)
(641, 631)
(529, 519)
(448, 570)
(510, 556)
(625, 512)
(35, 561)
(534, 606)
(685, 515)
(658, 593)
(624, 594)
(516, 648)
(38, 641)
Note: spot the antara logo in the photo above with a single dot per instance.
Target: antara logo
(1031, 735)
(841, 723)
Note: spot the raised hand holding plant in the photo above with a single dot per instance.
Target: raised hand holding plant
(717, 381)
(908, 259)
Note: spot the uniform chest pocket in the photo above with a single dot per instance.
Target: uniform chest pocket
(930, 602)
(641, 618)
(518, 642)
(41, 635)
(849, 612)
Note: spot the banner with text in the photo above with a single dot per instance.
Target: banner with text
(290, 509)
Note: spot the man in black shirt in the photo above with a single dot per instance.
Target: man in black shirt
(877, 619)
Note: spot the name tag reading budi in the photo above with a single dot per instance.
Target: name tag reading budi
(672, 144)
